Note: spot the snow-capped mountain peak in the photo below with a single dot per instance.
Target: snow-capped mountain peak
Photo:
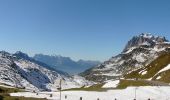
(140, 51)
(146, 35)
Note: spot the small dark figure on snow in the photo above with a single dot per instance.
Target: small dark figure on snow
(65, 96)
(51, 95)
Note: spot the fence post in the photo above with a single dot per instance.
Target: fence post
(81, 98)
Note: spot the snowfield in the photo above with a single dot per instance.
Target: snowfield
(142, 93)
(111, 84)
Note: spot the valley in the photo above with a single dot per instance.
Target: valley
(142, 66)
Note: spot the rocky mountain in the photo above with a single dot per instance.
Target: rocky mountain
(139, 52)
(21, 71)
(65, 64)
(145, 39)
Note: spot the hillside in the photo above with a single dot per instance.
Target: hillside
(21, 71)
(158, 70)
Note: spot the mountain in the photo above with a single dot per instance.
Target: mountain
(65, 64)
(139, 52)
(21, 71)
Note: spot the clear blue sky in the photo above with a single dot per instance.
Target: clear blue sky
(86, 29)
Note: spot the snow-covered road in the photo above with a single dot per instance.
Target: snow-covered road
(142, 93)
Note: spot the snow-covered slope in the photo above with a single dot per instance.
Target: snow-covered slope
(142, 93)
(22, 72)
(139, 52)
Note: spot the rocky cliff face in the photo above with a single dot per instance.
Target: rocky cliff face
(139, 52)
(145, 39)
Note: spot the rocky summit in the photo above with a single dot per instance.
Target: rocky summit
(145, 39)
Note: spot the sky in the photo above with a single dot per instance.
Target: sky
(80, 29)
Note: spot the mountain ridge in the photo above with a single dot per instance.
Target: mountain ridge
(137, 54)
(18, 70)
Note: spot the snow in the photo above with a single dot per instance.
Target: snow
(139, 57)
(5, 86)
(144, 72)
(167, 42)
(147, 35)
(110, 74)
(157, 49)
(111, 84)
(146, 43)
(109, 66)
(130, 50)
(149, 79)
(165, 69)
(159, 77)
(162, 70)
(81, 81)
(142, 93)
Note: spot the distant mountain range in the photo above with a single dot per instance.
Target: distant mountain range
(65, 64)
